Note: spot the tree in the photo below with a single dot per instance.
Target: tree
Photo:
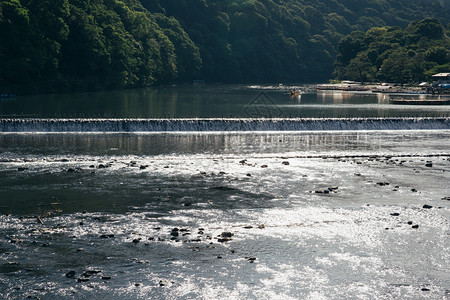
(394, 68)
(361, 69)
(430, 28)
(437, 54)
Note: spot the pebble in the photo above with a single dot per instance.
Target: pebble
(251, 259)
(163, 283)
(426, 206)
(107, 236)
(89, 273)
(415, 226)
(224, 240)
(395, 214)
(286, 163)
(227, 234)
(70, 274)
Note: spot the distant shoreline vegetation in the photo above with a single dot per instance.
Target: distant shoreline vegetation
(393, 54)
(87, 45)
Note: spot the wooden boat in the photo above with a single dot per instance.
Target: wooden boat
(445, 101)
(295, 93)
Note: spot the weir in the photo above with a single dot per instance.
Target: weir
(205, 125)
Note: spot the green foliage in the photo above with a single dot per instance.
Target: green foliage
(290, 40)
(393, 54)
(60, 45)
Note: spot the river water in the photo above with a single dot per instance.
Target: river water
(304, 206)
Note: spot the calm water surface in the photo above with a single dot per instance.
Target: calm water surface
(218, 101)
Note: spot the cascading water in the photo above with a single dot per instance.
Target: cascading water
(204, 125)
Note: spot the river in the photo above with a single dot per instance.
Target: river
(223, 192)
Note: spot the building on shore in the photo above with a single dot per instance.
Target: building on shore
(441, 78)
(440, 83)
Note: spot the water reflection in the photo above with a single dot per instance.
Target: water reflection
(201, 143)
(212, 102)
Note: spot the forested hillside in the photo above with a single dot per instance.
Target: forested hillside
(72, 45)
(394, 54)
(59, 45)
(283, 40)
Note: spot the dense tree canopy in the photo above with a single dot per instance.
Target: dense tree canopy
(285, 41)
(394, 54)
(53, 45)
(60, 45)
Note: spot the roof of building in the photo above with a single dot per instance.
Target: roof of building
(441, 75)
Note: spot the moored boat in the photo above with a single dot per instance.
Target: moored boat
(440, 101)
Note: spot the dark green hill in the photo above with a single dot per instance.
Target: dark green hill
(394, 54)
(60, 45)
(282, 41)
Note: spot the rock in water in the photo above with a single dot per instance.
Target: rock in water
(70, 274)
(226, 234)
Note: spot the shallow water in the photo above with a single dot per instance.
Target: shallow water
(228, 207)
(312, 215)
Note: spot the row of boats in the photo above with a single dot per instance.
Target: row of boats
(412, 101)
(398, 95)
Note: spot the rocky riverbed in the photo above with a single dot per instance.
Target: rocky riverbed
(364, 218)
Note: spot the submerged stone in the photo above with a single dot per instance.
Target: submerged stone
(227, 234)
(70, 274)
